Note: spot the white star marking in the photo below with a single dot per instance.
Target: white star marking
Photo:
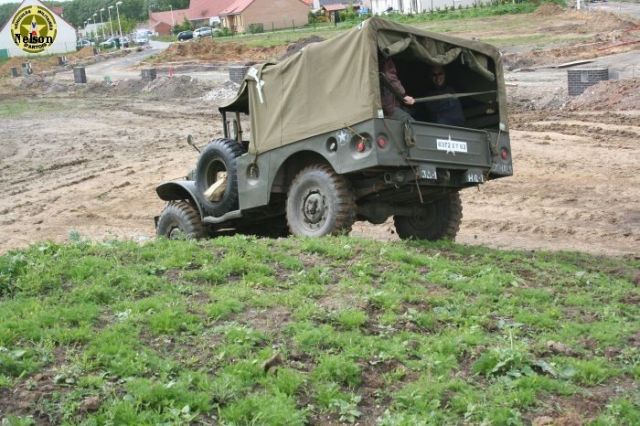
(342, 137)
(450, 147)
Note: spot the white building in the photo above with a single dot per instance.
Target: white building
(95, 31)
(416, 6)
(64, 41)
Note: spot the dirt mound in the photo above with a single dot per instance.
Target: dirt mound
(297, 46)
(181, 87)
(213, 51)
(610, 95)
(224, 92)
(548, 9)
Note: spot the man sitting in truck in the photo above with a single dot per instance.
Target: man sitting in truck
(391, 104)
(444, 111)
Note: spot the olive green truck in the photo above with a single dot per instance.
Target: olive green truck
(307, 148)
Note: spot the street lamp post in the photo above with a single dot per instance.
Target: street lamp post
(118, 13)
(102, 23)
(95, 21)
(110, 23)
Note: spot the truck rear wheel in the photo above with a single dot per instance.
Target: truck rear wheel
(180, 220)
(320, 202)
(434, 221)
(219, 156)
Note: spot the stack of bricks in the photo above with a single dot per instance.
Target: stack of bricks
(148, 74)
(237, 73)
(581, 78)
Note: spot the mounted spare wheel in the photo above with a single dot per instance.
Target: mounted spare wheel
(217, 176)
(180, 220)
(320, 202)
(434, 221)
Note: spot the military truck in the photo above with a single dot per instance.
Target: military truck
(321, 154)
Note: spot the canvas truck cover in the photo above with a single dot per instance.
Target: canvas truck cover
(335, 83)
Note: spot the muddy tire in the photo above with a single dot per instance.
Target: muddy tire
(320, 202)
(219, 156)
(437, 220)
(180, 220)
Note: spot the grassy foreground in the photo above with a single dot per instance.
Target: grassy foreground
(239, 330)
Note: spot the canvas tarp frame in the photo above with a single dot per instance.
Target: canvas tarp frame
(335, 83)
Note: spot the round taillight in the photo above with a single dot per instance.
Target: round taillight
(382, 142)
(361, 146)
(504, 153)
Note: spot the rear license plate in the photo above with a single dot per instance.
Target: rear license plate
(427, 172)
(451, 146)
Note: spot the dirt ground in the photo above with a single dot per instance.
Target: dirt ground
(87, 161)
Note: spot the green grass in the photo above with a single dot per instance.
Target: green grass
(440, 21)
(179, 332)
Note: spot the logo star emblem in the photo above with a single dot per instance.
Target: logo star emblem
(33, 28)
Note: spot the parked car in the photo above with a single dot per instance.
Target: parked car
(125, 41)
(141, 39)
(202, 32)
(185, 35)
(109, 43)
(83, 43)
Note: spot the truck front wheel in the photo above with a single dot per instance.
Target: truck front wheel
(180, 220)
(434, 221)
(320, 202)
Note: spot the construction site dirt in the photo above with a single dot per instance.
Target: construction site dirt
(84, 160)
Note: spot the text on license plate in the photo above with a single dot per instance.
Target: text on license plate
(450, 145)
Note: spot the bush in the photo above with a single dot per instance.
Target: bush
(255, 28)
(185, 26)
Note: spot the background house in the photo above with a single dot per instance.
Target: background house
(270, 14)
(206, 12)
(200, 13)
(416, 6)
(163, 22)
(64, 42)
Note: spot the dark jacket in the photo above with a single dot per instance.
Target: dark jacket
(445, 111)
(389, 100)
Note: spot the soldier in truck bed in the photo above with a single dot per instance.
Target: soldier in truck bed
(391, 105)
(444, 111)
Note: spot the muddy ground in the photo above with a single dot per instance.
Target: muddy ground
(86, 161)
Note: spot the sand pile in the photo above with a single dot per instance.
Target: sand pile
(213, 51)
(223, 93)
(609, 95)
(548, 9)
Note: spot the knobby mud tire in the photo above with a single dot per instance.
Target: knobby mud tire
(335, 207)
(180, 219)
(441, 220)
(219, 155)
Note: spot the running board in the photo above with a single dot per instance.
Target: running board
(236, 214)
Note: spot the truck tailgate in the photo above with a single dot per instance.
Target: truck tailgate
(450, 146)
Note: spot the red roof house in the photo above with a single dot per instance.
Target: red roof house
(269, 14)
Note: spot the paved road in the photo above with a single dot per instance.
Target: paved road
(631, 9)
(124, 67)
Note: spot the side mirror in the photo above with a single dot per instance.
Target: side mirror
(191, 143)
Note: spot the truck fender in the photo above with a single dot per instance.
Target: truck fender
(180, 190)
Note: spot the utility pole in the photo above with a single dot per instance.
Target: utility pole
(110, 22)
(118, 13)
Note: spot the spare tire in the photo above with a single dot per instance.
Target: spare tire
(219, 156)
